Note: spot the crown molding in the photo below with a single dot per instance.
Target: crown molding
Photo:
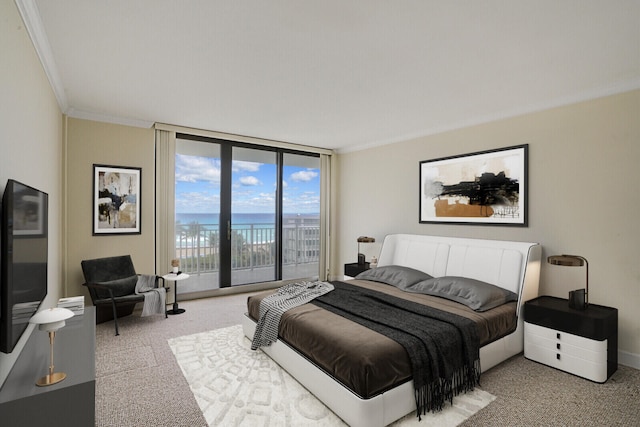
(33, 23)
(97, 117)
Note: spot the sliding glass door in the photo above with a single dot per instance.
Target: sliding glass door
(197, 213)
(254, 236)
(245, 214)
(301, 216)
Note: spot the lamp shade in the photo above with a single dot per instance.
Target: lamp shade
(51, 319)
(580, 298)
(567, 260)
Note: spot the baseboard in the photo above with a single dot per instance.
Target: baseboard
(631, 360)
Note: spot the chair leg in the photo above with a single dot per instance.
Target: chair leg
(115, 318)
(166, 313)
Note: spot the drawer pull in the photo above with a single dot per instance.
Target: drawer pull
(558, 356)
(558, 335)
(558, 346)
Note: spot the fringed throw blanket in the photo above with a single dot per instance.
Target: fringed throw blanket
(154, 298)
(285, 298)
(443, 348)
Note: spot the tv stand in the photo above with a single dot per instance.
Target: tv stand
(68, 403)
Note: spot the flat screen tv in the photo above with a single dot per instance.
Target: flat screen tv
(23, 265)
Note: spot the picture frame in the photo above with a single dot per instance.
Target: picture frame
(484, 188)
(116, 200)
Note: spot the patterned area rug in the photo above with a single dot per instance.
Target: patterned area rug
(235, 386)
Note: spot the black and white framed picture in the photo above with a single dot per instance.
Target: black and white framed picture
(116, 200)
(486, 187)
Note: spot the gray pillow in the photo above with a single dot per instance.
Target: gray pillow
(119, 287)
(477, 295)
(394, 275)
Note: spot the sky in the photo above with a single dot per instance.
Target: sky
(253, 188)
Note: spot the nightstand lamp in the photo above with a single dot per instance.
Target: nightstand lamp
(50, 321)
(578, 299)
(363, 239)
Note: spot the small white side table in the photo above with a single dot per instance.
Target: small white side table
(175, 278)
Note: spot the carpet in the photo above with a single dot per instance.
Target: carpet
(235, 386)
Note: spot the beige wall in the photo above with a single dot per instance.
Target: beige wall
(31, 128)
(90, 143)
(583, 197)
(582, 169)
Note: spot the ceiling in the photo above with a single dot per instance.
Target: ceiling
(335, 74)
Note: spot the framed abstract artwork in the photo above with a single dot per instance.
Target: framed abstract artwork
(487, 187)
(116, 200)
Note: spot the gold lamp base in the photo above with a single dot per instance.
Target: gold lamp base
(54, 378)
(50, 321)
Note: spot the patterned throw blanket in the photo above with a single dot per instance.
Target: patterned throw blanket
(443, 348)
(285, 298)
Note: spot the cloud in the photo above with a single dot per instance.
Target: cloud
(196, 168)
(239, 165)
(308, 203)
(197, 202)
(198, 187)
(265, 196)
(304, 176)
(249, 181)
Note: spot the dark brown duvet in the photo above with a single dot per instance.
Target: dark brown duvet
(363, 360)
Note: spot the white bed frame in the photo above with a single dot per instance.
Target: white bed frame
(510, 265)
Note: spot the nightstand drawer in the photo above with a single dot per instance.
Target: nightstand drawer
(581, 342)
(563, 343)
(574, 365)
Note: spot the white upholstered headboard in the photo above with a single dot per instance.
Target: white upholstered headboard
(510, 265)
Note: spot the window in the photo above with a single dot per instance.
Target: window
(245, 213)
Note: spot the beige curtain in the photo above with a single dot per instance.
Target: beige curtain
(325, 217)
(165, 202)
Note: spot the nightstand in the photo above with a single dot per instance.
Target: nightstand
(353, 269)
(581, 342)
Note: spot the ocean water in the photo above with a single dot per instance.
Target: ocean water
(254, 227)
(214, 219)
(259, 219)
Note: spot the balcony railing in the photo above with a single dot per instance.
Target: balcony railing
(252, 246)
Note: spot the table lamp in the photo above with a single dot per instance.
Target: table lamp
(363, 239)
(578, 299)
(51, 320)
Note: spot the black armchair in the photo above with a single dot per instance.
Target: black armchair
(112, 282)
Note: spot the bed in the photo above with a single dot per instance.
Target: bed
(317, 346)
